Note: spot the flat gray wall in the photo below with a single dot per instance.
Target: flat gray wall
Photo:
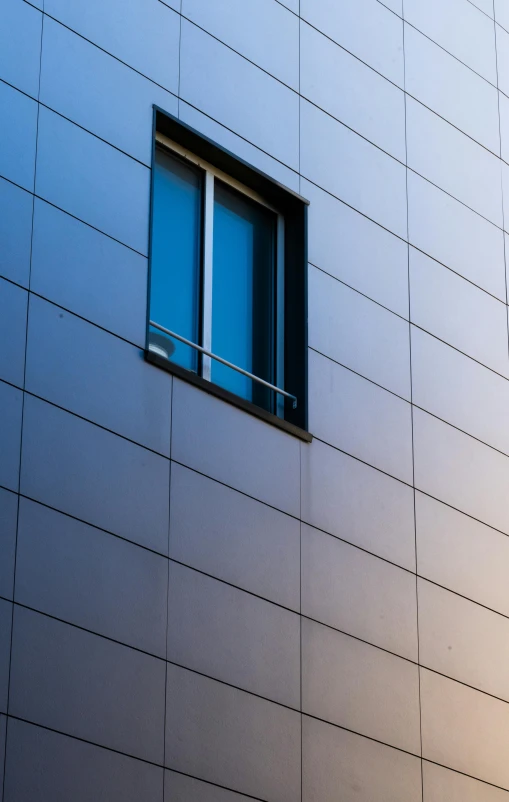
(194, 605)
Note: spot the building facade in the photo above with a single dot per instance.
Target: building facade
(197, 604)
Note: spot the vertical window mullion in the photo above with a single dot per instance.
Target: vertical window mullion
(208, 239)
(279, 333)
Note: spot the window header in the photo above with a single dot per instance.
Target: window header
(191, 140)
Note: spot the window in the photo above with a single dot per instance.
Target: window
(227, 294)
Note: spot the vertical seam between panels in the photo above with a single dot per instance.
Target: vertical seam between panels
(167, 594)
(166, 643)
(300, 474)
(300, 99)
(22, 414)
(300, 620)
(411, 402)
(501, 176)
(180, 50)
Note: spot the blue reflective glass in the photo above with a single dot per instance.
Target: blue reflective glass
(243, 293)
(175, 257)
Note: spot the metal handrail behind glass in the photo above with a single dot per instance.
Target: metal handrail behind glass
(225, 362)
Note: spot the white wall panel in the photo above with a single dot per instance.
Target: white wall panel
(352, 169)
(450, 89)
(144, 34)
(358, 503)
(445, 229)
(210, 436)
(357, 416)
(355, 250)
(458, 27)
(455, 468)
(464, 729)
(456, 311)
(261, 30)
(98, 92)
(358, 333)
(365, 28)
(454, 162)
(20, 46)
(462, 554)
(239, 95)
(337, 762)
(92, 181)
(460, 391)
(349, 90)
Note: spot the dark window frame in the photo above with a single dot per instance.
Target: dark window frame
(294, 210)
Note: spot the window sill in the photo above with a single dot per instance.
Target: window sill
(225, 395)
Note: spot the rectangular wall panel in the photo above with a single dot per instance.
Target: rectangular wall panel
(101, 378)
(233, 636)
(237, 449)
(89, 273)
(93, 181)
(460, 29)
(340, 763)
(452, 161)
(79, 574)
(450, 89)
(227, 534)
(355, 592)
(355, 250)
(352, 169)
(45, 764)
(357, 416)
(365, 29)
(109, 91)
(95, 475)
(207, 66)
(20, 46)
(232, 738)
(455, 468)
(462, 554)
(356, 686)
(454, 235)
(261, 30)
(358, 503)
(352, 92)
(144, 34)
(359, 334)
(460, 391)
(62, 679)
(463, 640)
(445, 305)
(464, 729)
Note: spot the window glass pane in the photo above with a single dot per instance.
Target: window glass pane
(175, 257)
(243, 293)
